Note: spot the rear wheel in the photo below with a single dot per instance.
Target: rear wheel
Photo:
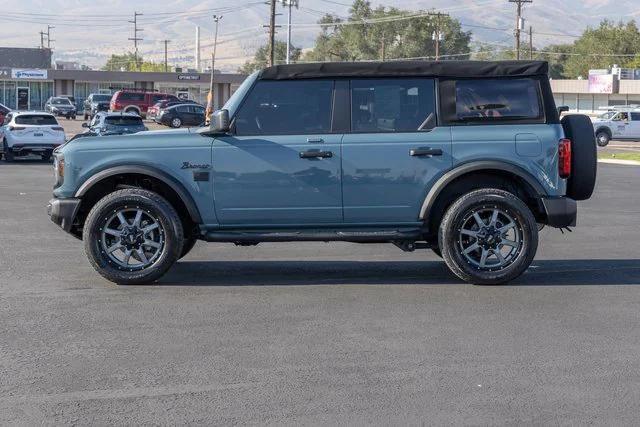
(603, 138)
(176, 122)
(133, 236)
(488, 237)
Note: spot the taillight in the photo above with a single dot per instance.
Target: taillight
(12, 128)
(564, 158)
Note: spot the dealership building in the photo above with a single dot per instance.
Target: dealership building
(28, 79)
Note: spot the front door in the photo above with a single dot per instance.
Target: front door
(394, 150)
(22, 98)
(282, 165)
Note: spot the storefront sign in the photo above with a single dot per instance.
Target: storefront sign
(33, 74)
(188, 77)
(601, 83)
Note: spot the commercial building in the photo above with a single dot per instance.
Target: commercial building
(27, 80)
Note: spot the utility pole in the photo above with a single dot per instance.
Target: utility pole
(519, 23)
(135, 37)
(42, 34)
(438, 34)
(289, 4)
(166, 62)
(272, 33)
(210, 103)
(531, 43)
(49, 28)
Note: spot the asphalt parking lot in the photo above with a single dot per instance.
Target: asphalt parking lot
(313, 333)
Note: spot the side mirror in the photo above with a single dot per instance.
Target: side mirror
(220, 122)
(563, 109)
(85, 125)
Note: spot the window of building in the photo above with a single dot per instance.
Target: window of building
(498, 99)
(391, 105)
(286, 107)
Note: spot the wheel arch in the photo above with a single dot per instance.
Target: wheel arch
(474, 175)
(606, 129)
(132, 107)
(133, 175)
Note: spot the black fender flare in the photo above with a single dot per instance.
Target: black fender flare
(481, 165)
(173, 183)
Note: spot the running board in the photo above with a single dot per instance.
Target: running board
(311, 236)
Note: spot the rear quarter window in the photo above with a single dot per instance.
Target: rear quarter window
(498, 100)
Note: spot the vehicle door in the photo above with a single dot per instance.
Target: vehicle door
(198, 115)
(394, 150)
(633, 128)
(620, 124)
(281, 163)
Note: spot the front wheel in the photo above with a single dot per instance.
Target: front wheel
(488, 237)
(133, 236)
(602, 138)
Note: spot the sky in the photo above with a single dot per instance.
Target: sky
(90, 31)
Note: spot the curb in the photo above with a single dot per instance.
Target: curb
(620, 162)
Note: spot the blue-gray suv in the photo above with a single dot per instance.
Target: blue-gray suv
(466, 158)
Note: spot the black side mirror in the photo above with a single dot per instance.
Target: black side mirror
(563, 109)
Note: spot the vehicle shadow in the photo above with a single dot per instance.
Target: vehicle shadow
(596, 272)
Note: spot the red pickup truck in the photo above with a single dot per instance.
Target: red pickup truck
(137, 101)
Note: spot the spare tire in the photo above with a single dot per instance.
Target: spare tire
(584, 157)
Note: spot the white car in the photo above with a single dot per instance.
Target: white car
(617, 125)
(30, 132)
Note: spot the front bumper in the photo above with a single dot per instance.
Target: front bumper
(561, 211)
(63, 212)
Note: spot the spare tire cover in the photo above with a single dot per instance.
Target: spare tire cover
(584, 156)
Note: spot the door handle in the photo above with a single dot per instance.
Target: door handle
(315, 140)
(315, 154)
(425, 152)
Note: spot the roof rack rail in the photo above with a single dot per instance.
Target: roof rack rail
(133, 89)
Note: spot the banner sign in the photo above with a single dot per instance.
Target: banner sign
(25, 73)
(601, 83)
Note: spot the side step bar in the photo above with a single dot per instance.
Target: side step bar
(311, 236)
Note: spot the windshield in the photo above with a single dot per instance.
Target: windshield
(608, 115)
(123, 121)
(101, 98)
(60, 101)
(36, 119)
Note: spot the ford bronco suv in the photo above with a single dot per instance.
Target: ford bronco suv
(466, 158)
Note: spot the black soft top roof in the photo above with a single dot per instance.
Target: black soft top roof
(407, 69)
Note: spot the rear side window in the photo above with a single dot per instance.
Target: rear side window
(123, 121)
(36, 119)
(131, 96)
(496, 100)
(391, 105)
(286, 107)
(635, 117)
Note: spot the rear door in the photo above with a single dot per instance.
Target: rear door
(633, 129)
(281, 166)
(394, 151)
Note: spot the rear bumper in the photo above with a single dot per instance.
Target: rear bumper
(561, 211)
(32, 148)
(63, 212)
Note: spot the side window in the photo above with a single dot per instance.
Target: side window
(635, 117)
(498, 99)
(391, 105)
(182, 108)
(286, 107)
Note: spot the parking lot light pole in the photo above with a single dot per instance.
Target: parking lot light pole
(216, 19)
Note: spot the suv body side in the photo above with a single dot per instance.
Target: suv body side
(137, 101)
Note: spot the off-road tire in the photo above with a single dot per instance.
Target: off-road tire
(154, 205)
(187, 246)
(8, 155)
(450, 231)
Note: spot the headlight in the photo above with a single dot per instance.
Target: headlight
(58, 169)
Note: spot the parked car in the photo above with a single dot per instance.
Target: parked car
(60, 106)
(154, 110)
(94, 103)
(615, 124)
(137, 101)
(108, 123)
(4, 110)
(466, 158)
(26, 132)
(182, 114)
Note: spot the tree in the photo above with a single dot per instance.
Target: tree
(374, 34)
(127, 62)
(599, 48)
(261, 57)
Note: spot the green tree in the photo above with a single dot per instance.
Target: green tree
(374, 34)
(599, 47)
(127, 62)
(261, 57)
